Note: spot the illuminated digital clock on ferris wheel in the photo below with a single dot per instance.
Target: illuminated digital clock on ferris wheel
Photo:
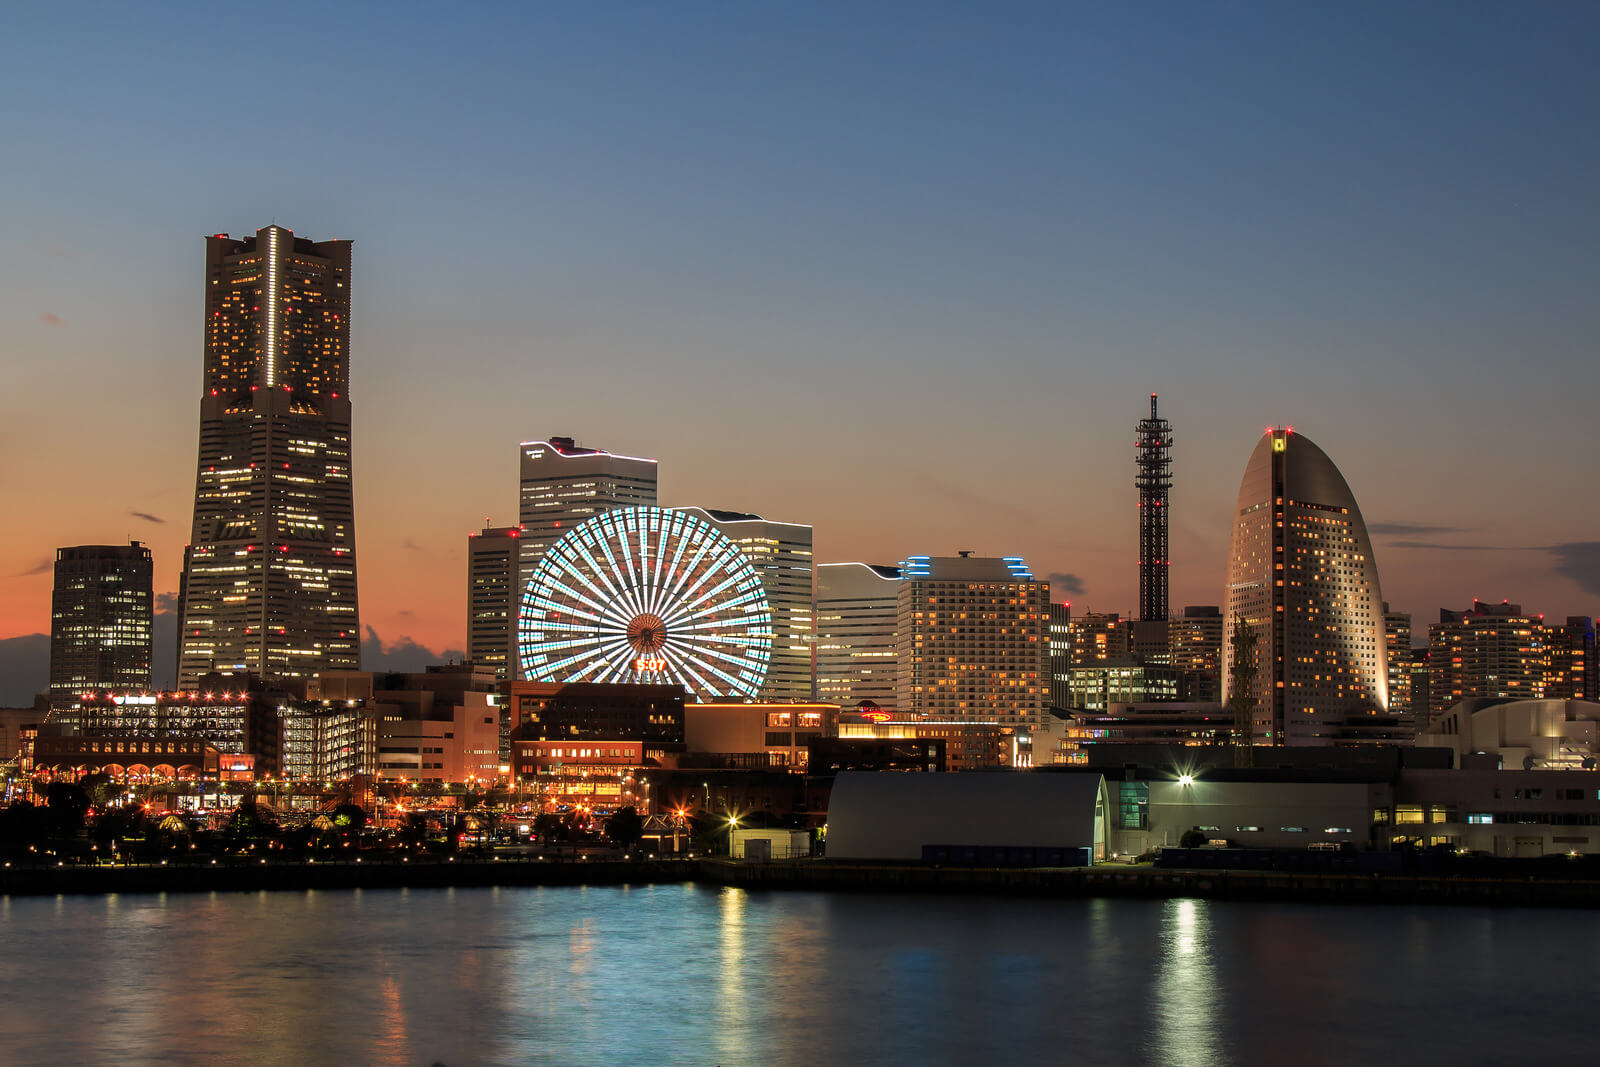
(651, 595)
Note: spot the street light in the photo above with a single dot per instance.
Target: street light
(733, 824)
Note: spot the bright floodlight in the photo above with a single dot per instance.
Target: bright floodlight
(1186, 779)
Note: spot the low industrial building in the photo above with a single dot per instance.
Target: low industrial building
(1001, 818)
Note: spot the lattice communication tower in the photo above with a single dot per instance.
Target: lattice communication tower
(1155, 484)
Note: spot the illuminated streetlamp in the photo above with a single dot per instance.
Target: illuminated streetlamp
(733, 824)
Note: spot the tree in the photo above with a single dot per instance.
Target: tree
(68, 805)
(1192, 838)
(625, 827)
(349, 818)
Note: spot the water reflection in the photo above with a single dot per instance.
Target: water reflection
(732, 1012)
(1186, 995)
(689, 975)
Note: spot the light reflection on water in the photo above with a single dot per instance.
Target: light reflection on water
(682, 974)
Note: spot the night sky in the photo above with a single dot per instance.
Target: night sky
(907, 273)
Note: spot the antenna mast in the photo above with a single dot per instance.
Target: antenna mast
(1154, 484)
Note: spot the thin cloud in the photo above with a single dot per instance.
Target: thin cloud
(51, 320)
(1064, 582)
(412, 546)
(1412, 529)
(1439, 546)
(147, 517)
(1579, 561)
(44, 566)
(166, 602)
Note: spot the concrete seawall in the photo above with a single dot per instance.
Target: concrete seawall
(1150, 883)
(1103, 881)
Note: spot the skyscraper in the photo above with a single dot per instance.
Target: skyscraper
(857, 611)
(101, 618)
(781, 554)
(973, 640)
(1301, 573)
(493, 559)
(564, 484)
(269, 578)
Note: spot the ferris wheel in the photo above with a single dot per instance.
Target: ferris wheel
(647, 594)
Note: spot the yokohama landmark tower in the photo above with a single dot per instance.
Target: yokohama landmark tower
(269, 578)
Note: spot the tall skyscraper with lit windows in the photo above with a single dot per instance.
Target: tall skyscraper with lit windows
(780, 552)
(563, 484)
(269, 577)
(494, 557)
(101, 620)
(1302, 575)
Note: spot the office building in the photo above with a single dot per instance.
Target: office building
(269, 579)
(857, 611)
(1302, 576)
(1060, 656)
(973, 642)
(440, 725)
(1099, 636)
(780, 552)
(563, 484)
(493, 564)
(101, 619)
(1196, 649)
(599, 711)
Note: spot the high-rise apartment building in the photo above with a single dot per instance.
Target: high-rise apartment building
(101, 620)
(493, 561)
(973, 641)
(857, 612)
(1397, 659)
(1572, 660)
(1302, 575)
(269, 578)
(780, 552)
(563, 484)
(1488, 650)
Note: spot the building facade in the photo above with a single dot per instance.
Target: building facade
(780, 552)
(269, 578)
(857, 613)
(1196, 638)
(493, 564)
(1488, 650)
(1397, 659)
(563, 484)
(973, 642)
(101, 620)
(1301, 574)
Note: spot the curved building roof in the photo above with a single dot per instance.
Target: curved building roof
(1301, 572)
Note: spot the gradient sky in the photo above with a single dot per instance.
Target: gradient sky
(906, 272)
